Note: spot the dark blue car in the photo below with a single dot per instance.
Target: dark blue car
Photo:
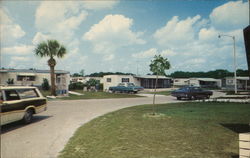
(191, 92)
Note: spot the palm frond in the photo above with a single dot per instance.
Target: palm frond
(50, 48)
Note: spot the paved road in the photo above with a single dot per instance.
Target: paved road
(50, 131)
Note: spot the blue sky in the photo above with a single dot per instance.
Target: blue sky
(119, 35)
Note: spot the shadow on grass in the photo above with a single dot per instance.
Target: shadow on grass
(237, 128)
(20, 124)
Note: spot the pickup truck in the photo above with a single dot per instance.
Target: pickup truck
(191, 92)
(125, 88)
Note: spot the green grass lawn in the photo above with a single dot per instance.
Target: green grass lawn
(45, 93)
(160, 93)
(188, 130)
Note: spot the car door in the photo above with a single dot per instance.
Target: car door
(12, 107)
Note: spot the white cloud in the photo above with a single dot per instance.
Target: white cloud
(177, 32)
(10, 31)
(208, 35)
(97, 5)
(18, 50)
(167, 53)
(112, 32)
(20, 59)
(146, 54)
(152, 52)
(109, 57)
(231, 15)
(60, 19)
(39, 37)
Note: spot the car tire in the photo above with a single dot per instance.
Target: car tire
(178, 98)
(207, 97)
(28, 116)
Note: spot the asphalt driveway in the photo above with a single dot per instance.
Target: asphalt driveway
(50, 131)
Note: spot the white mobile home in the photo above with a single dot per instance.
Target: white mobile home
(33, 77)
(114, 80)
(243, 83)
(85, 79)
(205, 82)
(147, 81)
(181, 81)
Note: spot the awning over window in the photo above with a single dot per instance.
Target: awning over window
(26, 74)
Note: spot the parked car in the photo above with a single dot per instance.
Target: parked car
(20, 103)
(125, 88)
(191, 92)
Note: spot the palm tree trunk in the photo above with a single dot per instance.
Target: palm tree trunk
(52, 64)
(156, 82)
(52, 78)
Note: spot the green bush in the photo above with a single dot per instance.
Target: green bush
(76, 85)
(45, 84)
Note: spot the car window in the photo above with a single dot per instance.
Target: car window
(197, 89)
(27, 93)
(131, 84)
(121, 84)
(11, 95)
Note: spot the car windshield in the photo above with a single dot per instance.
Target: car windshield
(184, 88)
(131, 85)
(121, 84)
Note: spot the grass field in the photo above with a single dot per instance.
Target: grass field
(160, 93)
(197, 130)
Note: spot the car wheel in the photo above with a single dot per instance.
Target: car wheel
(178, 98)
(208, 97)
(28, 116)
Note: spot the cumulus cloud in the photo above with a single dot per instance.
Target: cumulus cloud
(208, 35)
(18, 50)
(18, 58)
(231, 15)
(168, 52)
(152, 52)
(39, 37)
(112, 32)
(109, 57)
(10, 31)
(98, 5)
(177, 32)
(60, 19)
(146, 54)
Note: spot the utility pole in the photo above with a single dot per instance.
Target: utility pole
(234, 61)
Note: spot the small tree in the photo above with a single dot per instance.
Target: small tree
(92, 82)
(45, 84)
(158, 67)
(82, 72)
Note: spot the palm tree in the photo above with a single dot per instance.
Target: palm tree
(51, 49)
(158, 67)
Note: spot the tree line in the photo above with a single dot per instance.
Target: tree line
(219, 73)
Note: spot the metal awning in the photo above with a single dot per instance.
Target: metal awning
(26, 74)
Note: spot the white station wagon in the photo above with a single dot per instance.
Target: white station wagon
(20, 103)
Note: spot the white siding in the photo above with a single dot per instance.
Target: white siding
(116, 79)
